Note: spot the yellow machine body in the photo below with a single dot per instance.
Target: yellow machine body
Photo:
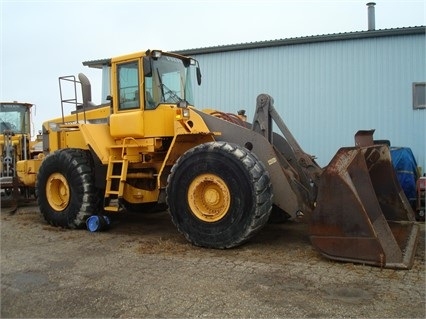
(17, 178)
(219, 176)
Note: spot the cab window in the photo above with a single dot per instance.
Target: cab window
(128, 85)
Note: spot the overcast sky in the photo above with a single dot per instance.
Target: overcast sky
(42, 40)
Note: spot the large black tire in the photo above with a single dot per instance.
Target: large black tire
(67, 195)
(219, 195)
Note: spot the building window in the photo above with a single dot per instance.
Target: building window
(419, 95)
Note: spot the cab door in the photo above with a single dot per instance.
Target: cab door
(127, 117)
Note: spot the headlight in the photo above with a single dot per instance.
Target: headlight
(54, 127)
(185, 112)
(182, 114)
(156, 54)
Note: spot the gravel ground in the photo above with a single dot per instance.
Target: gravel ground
(142, 267)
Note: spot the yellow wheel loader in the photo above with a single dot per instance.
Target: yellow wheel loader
(219, 176)
(16, 147)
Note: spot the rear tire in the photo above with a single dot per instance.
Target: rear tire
(67, 195)
(219, 195)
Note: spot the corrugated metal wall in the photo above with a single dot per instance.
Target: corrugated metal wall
(326, 91)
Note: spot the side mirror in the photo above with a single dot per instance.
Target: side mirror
(147, 69)
(109, 98)
(198, 75)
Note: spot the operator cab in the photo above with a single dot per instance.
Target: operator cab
(146, 88)
(15, 117)
(164, 79)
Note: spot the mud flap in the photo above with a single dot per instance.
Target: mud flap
(362, 214)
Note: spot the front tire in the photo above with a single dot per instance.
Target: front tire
(67, 195)
(219, 195)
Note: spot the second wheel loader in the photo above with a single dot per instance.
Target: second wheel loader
(16, 146)
(219, 176)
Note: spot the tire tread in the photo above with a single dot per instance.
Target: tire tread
(259, 178)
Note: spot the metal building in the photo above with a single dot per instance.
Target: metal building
(327, 87)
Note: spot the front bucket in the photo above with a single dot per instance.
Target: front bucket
(362, 214)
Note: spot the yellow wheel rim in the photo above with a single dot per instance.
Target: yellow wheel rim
(57, 192)
(209, 197)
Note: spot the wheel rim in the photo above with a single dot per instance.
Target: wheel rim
(209, 197)
(57, 192)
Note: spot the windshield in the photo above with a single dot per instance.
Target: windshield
(14, 117)
(168, 82)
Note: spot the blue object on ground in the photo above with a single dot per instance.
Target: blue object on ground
(97, 223)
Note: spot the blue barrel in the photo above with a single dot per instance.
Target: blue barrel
(97, 223)
(406, 170)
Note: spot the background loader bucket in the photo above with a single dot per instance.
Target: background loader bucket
(362, 214)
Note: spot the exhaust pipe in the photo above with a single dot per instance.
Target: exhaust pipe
(371, 16)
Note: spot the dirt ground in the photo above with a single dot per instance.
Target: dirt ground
(142, 267)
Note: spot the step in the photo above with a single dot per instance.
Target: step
(111, 208)
(116, 161)
(111, 192)
(116, 176)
